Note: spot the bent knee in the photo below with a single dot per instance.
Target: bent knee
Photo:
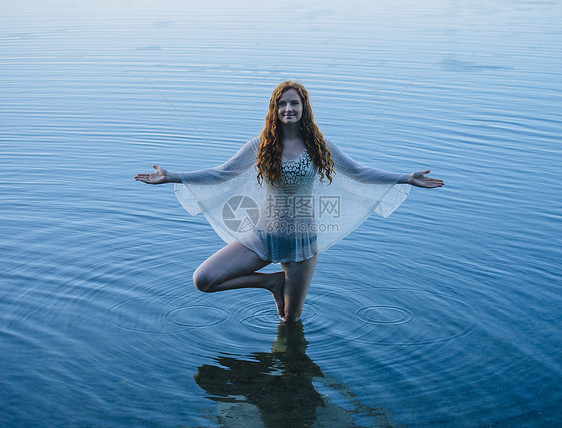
(203, 281)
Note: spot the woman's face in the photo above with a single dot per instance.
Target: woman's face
(290, 107)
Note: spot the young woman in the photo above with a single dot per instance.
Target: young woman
(284, 197)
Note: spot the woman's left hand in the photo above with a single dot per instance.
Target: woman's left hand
(419, 179)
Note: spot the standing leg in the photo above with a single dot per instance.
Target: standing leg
(297, 280)
(235, 266)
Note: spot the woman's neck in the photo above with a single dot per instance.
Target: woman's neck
(290, 133)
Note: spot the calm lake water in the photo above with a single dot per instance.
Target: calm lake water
(448, 313)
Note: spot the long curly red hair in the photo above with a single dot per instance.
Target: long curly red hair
(270, 146)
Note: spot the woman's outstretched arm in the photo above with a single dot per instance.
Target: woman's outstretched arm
(243, 159)
(345, 165)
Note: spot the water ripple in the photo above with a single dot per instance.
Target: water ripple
(382, 315)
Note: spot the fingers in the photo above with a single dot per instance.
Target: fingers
(421, 180)
(427, 182)
(145, 178)
(433, 182)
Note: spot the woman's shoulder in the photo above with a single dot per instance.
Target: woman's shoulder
(330, 144)
(254, 142)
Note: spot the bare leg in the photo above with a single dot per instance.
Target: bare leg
(297, 280)
(235, 266)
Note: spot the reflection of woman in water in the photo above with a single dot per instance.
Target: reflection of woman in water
(284, 197)
(280, 384)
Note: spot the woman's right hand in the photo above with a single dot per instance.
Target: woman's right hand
(158, 177)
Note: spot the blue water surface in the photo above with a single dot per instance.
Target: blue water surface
(448, 313)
